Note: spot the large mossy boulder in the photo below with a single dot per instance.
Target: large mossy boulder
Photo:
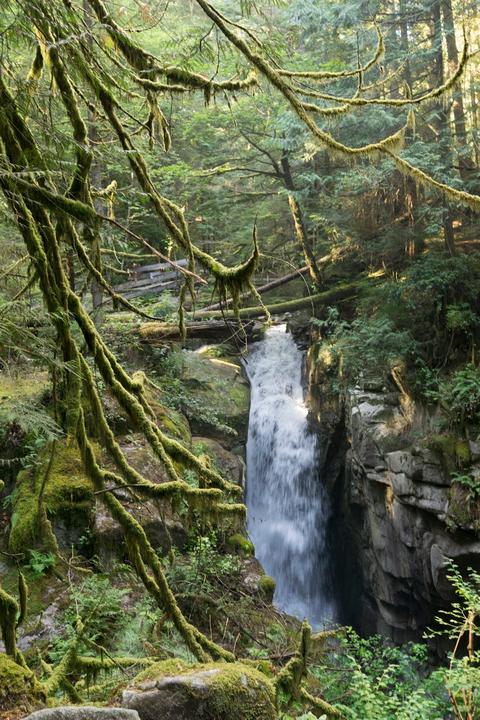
(229, 464)
(174, 690)
(217, 398)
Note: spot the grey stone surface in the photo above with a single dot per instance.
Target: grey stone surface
(395, 524)
(77, 712)
(228, 692)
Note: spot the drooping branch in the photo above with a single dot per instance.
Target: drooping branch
(34, 207)
(325, 75)
(389, 146)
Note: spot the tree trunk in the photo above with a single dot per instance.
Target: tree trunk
(442, 124)
(96, 181)
(340, 292)
(299, 222)
(415, 240)
(464, 159)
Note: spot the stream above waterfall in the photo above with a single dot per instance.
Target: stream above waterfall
(287, 504)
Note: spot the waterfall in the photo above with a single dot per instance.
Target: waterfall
(287, 504)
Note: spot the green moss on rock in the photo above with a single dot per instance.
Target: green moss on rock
(241, 544)
(218, 397)
(16, 685)
(212, 691)
(171, 421)
(453, 451)
(267, 586)
(67, 491)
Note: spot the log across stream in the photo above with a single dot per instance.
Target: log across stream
(287, 505)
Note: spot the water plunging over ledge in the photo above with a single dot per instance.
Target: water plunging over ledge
(287, 505)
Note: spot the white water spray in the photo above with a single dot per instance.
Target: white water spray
(287, 505)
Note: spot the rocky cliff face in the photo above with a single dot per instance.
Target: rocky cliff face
(397, 516)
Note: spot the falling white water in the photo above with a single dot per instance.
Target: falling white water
(287, 505)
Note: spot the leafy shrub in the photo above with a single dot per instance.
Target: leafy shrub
(203, 564)
(25, 428)
(459, 395)
(464, 501)
(369, 679)
(461, 625)
(366, 346)
(469, 483)
(435, 300)
(40, 563)
(99, 604)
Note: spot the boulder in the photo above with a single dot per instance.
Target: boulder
(230, 465)
(67, 496)
(174, 690)
(219, 398)
(82, 712)
(109, 537)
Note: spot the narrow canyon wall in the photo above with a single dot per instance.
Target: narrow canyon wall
(396, 514)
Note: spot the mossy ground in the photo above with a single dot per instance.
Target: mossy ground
(23, 387)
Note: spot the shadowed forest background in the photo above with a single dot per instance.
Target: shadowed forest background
(175, 177)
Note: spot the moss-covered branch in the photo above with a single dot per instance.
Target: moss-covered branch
(335, 294)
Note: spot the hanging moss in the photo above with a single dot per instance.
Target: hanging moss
(388, 146)
(358, 101)
(44, 247)
(36, 68)
(326, 75)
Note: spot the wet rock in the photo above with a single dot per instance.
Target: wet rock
(400, 461)
(174, 690)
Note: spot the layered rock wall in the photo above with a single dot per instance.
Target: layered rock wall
(396, 516)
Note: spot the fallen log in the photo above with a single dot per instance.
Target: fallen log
(160, 332)
(339, 292)
(301, 272)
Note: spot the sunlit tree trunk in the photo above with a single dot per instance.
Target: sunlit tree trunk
(96, 180)
(441, 122)
(415, 241)
(465, 163)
